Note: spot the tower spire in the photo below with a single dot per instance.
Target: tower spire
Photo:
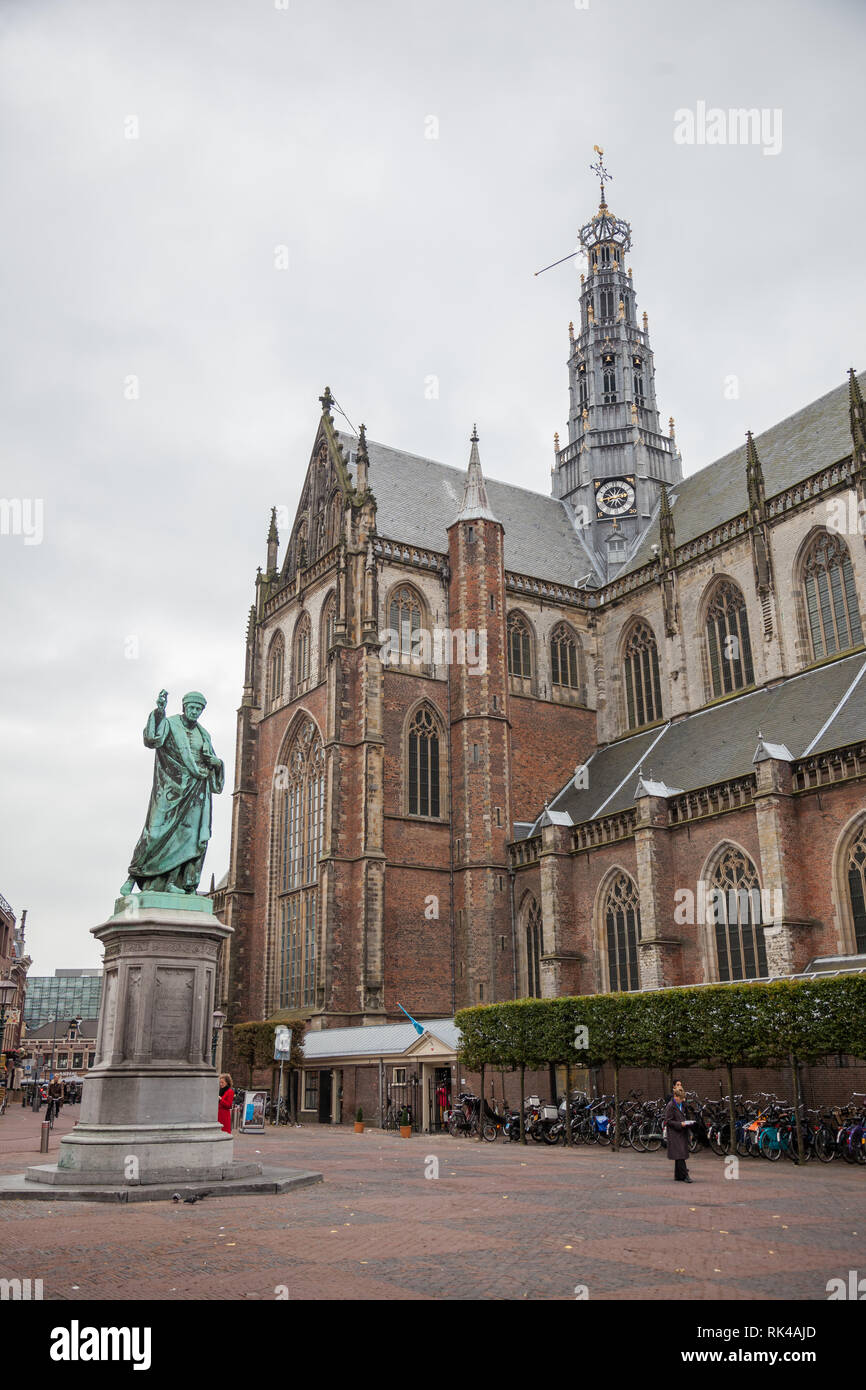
(475, 506)
(617, 455)
(600, 172)
(273, 542)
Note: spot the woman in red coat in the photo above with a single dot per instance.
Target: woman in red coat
(227, 1100)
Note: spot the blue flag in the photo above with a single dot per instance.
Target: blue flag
(415, 1024)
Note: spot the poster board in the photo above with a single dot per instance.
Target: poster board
(253, 1112)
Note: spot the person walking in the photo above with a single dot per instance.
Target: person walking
(678, 1132)
(227, 1100)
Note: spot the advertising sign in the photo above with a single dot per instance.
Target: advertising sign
(253, 1112)
(282, 1044)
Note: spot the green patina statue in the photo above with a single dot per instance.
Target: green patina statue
(171, 848)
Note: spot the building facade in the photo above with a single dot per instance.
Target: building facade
(64, 995)
(494, 743)
(14, 964)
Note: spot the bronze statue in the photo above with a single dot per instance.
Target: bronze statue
(171, 848)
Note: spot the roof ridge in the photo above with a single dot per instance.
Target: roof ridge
(461, 472)
(770, 429)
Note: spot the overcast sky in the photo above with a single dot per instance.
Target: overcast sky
(156, 156)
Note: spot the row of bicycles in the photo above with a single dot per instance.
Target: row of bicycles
(764, 1127)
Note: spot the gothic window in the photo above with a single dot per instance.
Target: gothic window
(335, 517)
(729, 651)
(404, 620)
(638, 380)
(857, 889)
(301, 662)
(607, 305)
(830, 596)
(582, 384)
(608, 379)
(424, 785)
(519, 648)
(299, 820)
(301, 556)
(735, 900)
(605, 255)
(329, 613)
(533, 951)
(641, 672)
(276, 662)
(622, 931)
(564, 663)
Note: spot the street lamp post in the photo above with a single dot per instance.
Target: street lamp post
(219, 1019)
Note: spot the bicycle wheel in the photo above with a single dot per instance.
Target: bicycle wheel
(769, 1145)
(825, 1144)
(720, 1139)
(489, 1131)
(634, 1135)
(651, 1136)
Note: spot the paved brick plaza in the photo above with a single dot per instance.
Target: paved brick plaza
(500, 1222)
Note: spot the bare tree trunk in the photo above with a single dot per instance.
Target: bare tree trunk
(522, 1102)
(732, 1109)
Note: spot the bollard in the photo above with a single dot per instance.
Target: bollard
(43, 1142)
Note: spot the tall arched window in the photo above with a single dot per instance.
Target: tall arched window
(301, 658)
(300, 547)
(533, 951)
(519, 648)
(404, 620)
(729, 651)
(735, 903)
(335, 517)
(643, 694)
(299, 814)
(830, 597)
(564, 657)
(326, 642)
(622, 930)
(424, 781)
(857, 889)
(276, 667)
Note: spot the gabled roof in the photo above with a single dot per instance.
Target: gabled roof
(418, 499)
(815, 437)
(376, 1040)
(808, 713)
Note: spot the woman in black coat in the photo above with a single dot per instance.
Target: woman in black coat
(678, 1132)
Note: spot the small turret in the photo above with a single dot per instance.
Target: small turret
(273, 543)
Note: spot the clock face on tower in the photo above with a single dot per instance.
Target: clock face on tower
(616, 496)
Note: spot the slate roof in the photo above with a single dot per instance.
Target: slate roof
(811, 712)
(814, 438)
(376, 1040)
(418, 499)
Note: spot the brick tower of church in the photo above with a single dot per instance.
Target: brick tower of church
(480, 747)
(617, 458)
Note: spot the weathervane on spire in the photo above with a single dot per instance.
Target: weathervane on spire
(599, 170)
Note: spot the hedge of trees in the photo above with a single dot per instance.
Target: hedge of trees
(254, 1044)
(716, 1025)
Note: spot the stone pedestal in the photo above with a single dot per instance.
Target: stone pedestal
(149, 1107)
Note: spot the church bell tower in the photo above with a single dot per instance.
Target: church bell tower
(616, 459)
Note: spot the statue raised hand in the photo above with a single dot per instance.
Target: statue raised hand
(170, 852)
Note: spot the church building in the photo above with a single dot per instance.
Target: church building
(495, 743)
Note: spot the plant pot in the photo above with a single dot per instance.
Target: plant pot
(359, 1126)
(405, 1131)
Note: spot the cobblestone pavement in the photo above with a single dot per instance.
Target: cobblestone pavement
(499, 1222)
